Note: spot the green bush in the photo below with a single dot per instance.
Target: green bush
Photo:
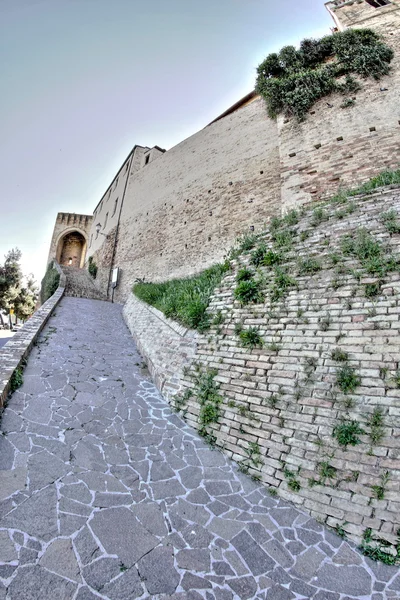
(185, 300)
(249, 291)
(293, 80)
(92, 267)
(250, 338)
(347, 379)
(49, 283)
(347, 433)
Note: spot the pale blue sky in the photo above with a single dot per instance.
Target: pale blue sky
(83, 81)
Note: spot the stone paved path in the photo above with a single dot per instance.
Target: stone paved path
(105, 493)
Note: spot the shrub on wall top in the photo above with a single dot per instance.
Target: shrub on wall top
(293, 80)
(49, 283)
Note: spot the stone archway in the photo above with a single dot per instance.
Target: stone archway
(71, 250)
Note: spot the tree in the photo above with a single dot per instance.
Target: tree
(14, 291)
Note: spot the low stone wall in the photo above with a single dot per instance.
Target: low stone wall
(18, 348)
(281, 402)
(166, 346)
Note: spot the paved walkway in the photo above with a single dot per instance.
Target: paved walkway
(105, 493)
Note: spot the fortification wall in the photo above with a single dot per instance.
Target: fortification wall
(183, 211)
(281, 403)
(340, 147)
(68, 223)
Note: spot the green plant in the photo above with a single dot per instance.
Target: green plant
(324, 322)
(340, 531)
(372, 290)
(339, 355)
(309, 266)
(376, 424)
(50, 283)
(318, 216)
(347, 433)
(244, 275)
(251, 338)
(346, 379)
(291, 218)
(185, 300)
(326, 471)
(249, 291)
(246, 242)
(180, 400)
(219, 318)
(92, 267)
(282, 283)
(293, 80)
(293, 482)
(283, 239)
(274, 346)
(304, 236)
(384, 178)
(238, 327)
(379, 490)
(347, 103)
(17, 379)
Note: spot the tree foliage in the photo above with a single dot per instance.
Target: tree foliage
(292, 80)
(49, 283)
(16, 291)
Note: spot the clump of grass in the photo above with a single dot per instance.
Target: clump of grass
(376, 424)
(262, 256)
(346, 379)
(339, 355)
(384, 178)
(283, 239)
(244, 275)
(282, 283)
(17, 379)
(369, 251)
(391, 222)
(249, 291)
(379, 490)
(372, 290)
(291, 218)
(309, 265)
(347, 433)
(251, 338)
(318, 216)
(185, 300)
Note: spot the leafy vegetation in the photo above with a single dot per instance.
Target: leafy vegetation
(309, 265)
(185, 300)
(50, 283)
(251, 338)
(391, 222)
(347, 433)
(292, 80)
(346, 379)
(17, 379)
(92, 267)
(339, 355)
(249, 291)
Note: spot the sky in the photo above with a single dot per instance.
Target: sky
(83, 81)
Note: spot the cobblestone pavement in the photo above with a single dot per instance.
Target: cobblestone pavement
(105, 493)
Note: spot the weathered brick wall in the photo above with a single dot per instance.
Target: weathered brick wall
(182, 211)
(284, 397)
(339, 147)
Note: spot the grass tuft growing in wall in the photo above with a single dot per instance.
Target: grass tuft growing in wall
(185, 300)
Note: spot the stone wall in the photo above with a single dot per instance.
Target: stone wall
(338, 147)
(283, 399)
(68, 223)
(16, 350)
(183, 210)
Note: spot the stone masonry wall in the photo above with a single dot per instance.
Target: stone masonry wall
(182, 211)
(283, 400)
(340, 147)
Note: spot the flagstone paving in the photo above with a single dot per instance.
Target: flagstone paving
(106, 493)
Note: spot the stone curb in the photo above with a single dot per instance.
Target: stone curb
(18, 348)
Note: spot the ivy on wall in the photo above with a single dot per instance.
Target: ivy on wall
(292, 80)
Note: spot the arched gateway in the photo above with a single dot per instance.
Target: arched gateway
(71, 250)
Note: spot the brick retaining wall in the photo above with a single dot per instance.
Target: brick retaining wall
(294, 433)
